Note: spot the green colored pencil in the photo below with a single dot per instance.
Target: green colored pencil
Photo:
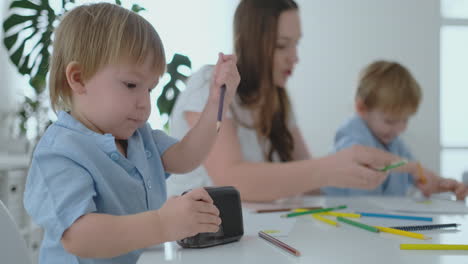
(315, 211)
(394, 165)
(357, 224)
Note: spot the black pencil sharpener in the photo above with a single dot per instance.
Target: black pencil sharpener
(227, 200)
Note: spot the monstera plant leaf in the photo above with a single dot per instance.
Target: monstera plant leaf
(171, 90)
(28, 33)
(28, 37)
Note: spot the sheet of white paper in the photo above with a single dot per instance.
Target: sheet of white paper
(431, 206)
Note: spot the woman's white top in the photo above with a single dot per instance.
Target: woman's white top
(193, 99)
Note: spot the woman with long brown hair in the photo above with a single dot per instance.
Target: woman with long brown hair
(260, 149)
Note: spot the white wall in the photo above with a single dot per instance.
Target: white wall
(199, 30)
(339, 38)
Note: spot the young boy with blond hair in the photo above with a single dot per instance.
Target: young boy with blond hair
(387, 97)
(97, 178)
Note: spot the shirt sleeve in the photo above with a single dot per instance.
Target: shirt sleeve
(346, 141)
(343, 142)
(163, 141)
(405, 152)
(198, 88)
(58, 191)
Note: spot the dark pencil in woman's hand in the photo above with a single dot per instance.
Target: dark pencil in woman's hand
(220, 108)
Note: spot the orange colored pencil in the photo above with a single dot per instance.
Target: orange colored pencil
(421, 178)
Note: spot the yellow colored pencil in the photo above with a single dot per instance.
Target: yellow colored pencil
(300, 210)
(325, 220)
(433, 247)
(402, 233)
(350, 215)
(421, 178)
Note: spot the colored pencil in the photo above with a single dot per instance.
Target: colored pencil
(421, 178)
(425, 227)
(357, 224)
(279, 243)
(349, 215)
(402, 233)
(406, 217)
(285, 209)
(394, 165)
(433, 247)
(220, 107)
(314, 211)
(324, 220)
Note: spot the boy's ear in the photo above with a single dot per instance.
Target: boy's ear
(360, 106)
(74, 76)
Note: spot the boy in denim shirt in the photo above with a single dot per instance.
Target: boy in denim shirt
(386, 98)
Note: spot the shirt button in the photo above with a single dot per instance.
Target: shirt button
(114, 156)
(149, 184)
(148, 154)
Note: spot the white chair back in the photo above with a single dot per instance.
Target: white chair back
(13, 248)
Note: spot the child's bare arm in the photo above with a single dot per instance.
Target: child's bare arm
(437, 184)
(192, 150)
(105, 236)
(429, 182)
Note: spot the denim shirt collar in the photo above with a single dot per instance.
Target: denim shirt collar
(365, 128)
(106, 142)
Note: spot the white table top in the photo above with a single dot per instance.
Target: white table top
(322, 243)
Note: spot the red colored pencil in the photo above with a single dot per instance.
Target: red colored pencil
(279, 243)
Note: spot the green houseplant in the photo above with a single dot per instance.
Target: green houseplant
(28, 36)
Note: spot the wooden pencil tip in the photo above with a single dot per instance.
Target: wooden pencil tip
(218, 126)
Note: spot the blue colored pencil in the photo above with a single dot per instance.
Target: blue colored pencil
(406, 217)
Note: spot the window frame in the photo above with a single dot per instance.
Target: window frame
(444, 148)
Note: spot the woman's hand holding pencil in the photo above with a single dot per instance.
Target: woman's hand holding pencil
(355, 167)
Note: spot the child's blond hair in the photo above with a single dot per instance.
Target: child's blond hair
(97, 35)
(389, 87)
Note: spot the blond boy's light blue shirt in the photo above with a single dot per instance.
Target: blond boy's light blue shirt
(75, 171)
(355, 131)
